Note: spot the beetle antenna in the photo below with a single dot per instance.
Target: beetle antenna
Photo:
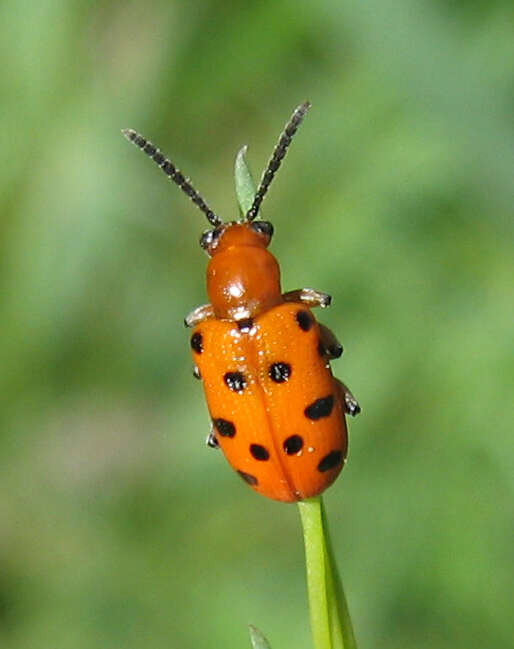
(277, 157)
(172, 172)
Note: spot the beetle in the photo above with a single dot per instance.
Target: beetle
(277, 412)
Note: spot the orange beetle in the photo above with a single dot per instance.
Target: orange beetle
(277, 412)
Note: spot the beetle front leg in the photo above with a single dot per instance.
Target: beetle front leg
(308, 296)
(201, 313)
(350, 402)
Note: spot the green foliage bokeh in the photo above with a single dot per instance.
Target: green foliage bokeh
(118, 527)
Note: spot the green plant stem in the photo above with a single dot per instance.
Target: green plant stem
(330, 619)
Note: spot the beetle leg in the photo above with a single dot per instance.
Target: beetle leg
(329, 346)
(308, 296)
(211, 440)
(201, 313)
(350, 402)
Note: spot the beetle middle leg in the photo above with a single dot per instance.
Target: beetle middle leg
(308, 296)
(201, 313)
(329, 346)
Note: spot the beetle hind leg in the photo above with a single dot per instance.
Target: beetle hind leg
(212, 441)
(351, 404)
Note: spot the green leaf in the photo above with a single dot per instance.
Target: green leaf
(245, 185)
(257, 639)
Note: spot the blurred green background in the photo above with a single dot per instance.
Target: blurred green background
(118, 527)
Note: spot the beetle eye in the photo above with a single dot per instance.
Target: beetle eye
(209, 238)
(262, 227)
(206, 239)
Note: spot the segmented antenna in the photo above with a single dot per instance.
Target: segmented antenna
(172, 172)
(277, 157)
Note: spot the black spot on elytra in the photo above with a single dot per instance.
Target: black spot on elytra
(235, 381)
(259, 452)
(330, 461)
(245, 325)
(279, 372)
(197, 342)
(224, 427)
(293, 444)
(305, 320)
(196, 372)
(320, 408)
(249, 478)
